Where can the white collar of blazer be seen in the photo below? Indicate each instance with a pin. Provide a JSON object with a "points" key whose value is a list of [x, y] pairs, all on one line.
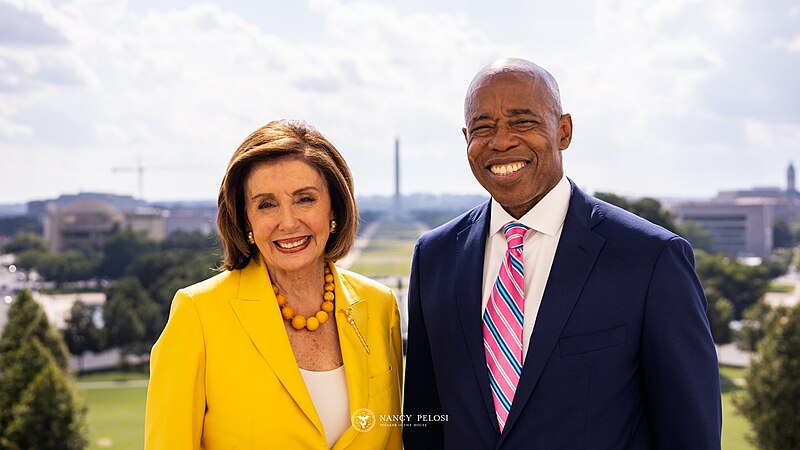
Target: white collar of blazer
{"points": [[257, 310]]}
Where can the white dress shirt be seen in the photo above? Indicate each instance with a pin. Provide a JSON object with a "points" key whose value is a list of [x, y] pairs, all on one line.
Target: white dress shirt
{"points": [[546, 220]]}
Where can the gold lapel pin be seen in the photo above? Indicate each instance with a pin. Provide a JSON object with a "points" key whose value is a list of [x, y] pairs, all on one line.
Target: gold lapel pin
{"points": [[348, 313]]}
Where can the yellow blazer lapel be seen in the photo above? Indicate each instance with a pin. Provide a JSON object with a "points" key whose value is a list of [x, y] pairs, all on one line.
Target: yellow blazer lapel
{"points": [[354, 351], [257, 310]]}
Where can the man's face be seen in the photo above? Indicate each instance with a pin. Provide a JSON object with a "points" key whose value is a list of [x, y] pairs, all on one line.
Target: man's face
{"points": [[514, 139]]}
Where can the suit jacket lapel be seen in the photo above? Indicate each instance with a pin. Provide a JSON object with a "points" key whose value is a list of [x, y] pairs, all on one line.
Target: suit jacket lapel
{"points": [[577, 251], [354, 352], [257, 310], [468, 262]]}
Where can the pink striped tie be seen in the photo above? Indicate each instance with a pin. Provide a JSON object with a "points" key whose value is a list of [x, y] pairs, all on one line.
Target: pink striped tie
{"points": [[502, 324]]}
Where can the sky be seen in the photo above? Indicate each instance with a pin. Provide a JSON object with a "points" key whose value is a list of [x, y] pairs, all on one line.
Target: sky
{"points": [[677, 98]]}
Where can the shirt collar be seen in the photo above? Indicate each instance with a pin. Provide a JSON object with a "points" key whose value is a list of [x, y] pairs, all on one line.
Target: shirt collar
{"points": [[546, 217]]}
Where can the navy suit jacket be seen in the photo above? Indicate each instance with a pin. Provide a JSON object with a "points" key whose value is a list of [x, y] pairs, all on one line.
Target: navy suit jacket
{"points": [[621, 355]]}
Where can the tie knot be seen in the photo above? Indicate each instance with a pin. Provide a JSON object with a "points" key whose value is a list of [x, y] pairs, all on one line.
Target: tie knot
{"points": [[514, 232]]}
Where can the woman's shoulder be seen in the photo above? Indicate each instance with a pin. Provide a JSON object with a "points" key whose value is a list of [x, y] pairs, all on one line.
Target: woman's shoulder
{"points": [[214, 285]]}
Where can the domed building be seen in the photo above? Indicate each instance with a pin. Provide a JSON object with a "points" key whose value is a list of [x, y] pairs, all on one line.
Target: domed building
{"points": [[88, 223]]}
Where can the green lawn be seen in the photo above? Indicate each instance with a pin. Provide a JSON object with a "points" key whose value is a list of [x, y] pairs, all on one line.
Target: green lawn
{"points": [[405, 231], [375, 269], [734, 426], [389, 251], [390, 247], [116, 414], [112, 376], [781, 288]]}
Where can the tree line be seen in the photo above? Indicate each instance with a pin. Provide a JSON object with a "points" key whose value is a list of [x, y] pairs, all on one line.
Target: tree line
{"points": [[141, 276], [734, 290], [39, 406]]}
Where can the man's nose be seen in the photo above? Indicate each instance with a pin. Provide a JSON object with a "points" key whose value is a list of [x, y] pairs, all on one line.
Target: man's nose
{"points": [[503, 139]]}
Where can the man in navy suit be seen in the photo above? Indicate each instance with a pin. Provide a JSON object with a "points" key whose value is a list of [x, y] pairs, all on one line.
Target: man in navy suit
{"points": [[616, 347]]}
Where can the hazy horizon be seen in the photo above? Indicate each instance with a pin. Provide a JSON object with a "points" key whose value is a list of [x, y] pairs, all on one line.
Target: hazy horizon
{"points": [[387, 198]]}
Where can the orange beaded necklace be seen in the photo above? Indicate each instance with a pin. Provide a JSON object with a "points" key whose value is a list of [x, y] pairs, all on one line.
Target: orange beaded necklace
{"points": [[312, 323]]}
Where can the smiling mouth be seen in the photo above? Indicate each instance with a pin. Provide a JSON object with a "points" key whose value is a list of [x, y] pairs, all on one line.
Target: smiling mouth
{"points": [[288, 244], [506, 169]]}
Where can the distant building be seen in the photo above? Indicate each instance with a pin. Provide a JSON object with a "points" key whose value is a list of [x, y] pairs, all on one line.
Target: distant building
{"points": [[87, 223], [57, 306], [151, 222], [40, 208], [189, 219], [741, 221], [739, 230]]}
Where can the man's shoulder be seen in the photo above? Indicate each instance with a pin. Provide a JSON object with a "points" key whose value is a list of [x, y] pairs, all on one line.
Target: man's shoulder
{"points": [[616, 221]]}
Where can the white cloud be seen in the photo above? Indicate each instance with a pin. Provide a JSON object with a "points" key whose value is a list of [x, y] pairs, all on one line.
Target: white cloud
{"points": [[791, 45], [763, 135], [10, 130], [189, 84], [675, 85]]}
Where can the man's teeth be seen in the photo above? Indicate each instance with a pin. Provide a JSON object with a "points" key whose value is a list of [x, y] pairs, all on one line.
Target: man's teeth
{"points": [[288, 245], [507, 169]]}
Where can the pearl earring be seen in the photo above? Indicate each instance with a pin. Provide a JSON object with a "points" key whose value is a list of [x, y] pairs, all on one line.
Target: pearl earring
{"points": [[333, 226], [250, 238]]}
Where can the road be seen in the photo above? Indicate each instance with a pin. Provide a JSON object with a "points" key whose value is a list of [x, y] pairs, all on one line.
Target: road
{"points": [[787, 299]]}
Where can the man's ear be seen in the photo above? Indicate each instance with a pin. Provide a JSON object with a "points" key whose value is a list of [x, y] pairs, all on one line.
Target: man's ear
{"points": [[565, 131], [466, 139]]}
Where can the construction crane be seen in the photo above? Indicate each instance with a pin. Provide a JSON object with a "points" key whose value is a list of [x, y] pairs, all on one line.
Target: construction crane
{"points": [[139, 169]]}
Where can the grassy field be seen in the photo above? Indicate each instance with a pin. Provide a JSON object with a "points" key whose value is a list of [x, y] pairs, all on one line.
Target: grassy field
{"points": [[112, 376], [389, 251], [734, 426], [781, 288], [116, 409]]}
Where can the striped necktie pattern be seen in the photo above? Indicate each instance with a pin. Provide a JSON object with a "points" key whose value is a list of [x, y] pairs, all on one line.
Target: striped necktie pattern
{"points": [[502, 324]]}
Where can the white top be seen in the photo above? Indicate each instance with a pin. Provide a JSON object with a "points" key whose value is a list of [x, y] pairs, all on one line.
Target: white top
{"points": [[328, 391], [546, 218]]}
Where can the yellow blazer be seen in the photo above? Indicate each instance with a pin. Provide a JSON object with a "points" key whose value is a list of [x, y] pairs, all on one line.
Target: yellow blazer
{"points": [[223, 375]]}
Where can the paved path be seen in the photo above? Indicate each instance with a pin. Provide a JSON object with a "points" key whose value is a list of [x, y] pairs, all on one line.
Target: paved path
{"points": [[111, 384], [730, 355], [361, 243], [787, 299]]}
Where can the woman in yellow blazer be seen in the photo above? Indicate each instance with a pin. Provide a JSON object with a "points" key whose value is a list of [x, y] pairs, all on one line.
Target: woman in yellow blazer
{"points": [[283, 349]]}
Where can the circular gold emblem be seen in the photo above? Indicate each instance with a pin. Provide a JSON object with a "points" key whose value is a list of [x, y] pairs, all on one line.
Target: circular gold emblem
{"points": [[363, 420]]}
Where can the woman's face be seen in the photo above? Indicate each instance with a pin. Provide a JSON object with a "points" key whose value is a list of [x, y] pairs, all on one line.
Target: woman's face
{"points": [[288, 208]]}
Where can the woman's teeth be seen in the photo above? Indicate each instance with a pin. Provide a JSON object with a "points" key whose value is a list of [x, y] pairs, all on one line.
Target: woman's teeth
{"points": [[292, 244]]}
